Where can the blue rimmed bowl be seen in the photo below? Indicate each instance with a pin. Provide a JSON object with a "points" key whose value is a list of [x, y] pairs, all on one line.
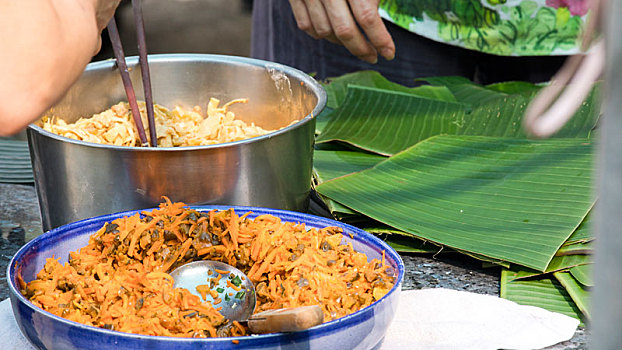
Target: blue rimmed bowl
{"points": [[363, 329]]}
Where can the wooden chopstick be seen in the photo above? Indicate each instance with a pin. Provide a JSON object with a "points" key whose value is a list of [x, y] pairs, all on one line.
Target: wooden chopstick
{"points": [[144, 68], [115, 40], [117, 47]]}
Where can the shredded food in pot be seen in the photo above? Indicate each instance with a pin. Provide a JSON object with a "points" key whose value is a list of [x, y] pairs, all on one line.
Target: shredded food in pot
{"points": [[120, 280], [175, 128]]}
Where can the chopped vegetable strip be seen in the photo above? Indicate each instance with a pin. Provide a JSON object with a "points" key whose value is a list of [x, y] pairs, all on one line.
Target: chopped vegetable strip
{"points": [[120, 280]]}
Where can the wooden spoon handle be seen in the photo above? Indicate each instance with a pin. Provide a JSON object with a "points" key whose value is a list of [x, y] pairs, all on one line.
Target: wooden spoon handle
{"points": [[286, 320]]}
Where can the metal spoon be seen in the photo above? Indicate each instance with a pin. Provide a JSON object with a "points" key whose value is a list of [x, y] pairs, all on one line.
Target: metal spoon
{"points": [[237, 299]]}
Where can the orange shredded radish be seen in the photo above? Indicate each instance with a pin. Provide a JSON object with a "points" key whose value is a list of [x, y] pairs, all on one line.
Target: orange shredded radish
{"points": [[231, 285], [203, 289], [121, 280]]}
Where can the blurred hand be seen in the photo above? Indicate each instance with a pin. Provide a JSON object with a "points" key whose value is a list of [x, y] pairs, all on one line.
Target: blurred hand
{"points": [[339, 20], [104, 10], [45, 45]]}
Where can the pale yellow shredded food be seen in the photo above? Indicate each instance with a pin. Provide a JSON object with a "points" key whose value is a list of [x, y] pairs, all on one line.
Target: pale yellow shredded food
{"points": [[175, 128]]}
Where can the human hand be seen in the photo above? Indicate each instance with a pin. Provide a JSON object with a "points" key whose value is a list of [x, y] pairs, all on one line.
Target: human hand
{"points": [[104, 10], [339, 20]]}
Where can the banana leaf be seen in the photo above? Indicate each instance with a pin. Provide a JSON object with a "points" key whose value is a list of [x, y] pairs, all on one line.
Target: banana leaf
{"points": [[506, 199], [472, 94], [504, 116], [583, 233], [574, 249], [403, 242], [455, 83], [336, 88], [565, 262], [386, 122], [546, 293], [486, 261], [406, 243], [338, 210], [514, 87], [445, 80], [577, 292], [332, 164], [322, 119], [335, 162], [478, 95], [580, 240], [583, 274], [558, 263]]}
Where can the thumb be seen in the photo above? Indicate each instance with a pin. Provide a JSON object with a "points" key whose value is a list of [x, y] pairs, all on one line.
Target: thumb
{"points": [[98, 46]]}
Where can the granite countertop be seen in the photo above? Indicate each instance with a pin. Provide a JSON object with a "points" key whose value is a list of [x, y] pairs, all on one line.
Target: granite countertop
{"points": [[20, 222]]}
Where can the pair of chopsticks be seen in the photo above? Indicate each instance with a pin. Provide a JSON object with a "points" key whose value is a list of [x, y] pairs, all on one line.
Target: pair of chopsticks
{"points": [[117, 47]]}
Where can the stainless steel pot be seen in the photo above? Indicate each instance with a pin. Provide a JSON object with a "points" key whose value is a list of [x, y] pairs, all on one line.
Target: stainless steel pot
{"points": [[77, 180]]}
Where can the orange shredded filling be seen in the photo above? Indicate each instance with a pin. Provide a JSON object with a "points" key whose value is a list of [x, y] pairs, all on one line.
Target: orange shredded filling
{"points": [[120, 280]]}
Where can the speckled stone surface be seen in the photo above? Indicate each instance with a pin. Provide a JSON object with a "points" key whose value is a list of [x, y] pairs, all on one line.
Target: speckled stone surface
{"points": [[19, 210]]}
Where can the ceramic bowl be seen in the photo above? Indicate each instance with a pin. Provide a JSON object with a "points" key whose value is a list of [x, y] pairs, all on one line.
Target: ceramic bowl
{"points": [[363, 329]]}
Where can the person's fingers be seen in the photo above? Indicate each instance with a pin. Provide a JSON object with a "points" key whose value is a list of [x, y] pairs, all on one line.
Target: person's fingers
{"points": [[333, 39], [347, 32], [98, 47], [366, 15], [301, 14], [303, 20], [104, 10], [319, 18]]}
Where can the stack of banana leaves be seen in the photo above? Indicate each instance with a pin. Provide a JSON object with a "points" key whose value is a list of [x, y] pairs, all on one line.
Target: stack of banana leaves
{"points": [[448, 166]]}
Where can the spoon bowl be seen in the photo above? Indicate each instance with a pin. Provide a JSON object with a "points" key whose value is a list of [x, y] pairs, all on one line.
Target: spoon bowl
{"points": [[233, 294], [223, 285]]}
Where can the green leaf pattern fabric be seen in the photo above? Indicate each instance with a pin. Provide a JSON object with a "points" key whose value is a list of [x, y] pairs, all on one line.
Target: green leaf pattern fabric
{"points": [[500, 27]]}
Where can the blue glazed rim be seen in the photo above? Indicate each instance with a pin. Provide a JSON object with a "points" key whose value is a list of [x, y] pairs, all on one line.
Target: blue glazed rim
{"points": [[350, 233]]}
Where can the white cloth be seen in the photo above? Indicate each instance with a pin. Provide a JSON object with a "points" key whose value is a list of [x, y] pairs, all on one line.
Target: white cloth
{"points": [[432, 319], [437, 319], [10, 330]]}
